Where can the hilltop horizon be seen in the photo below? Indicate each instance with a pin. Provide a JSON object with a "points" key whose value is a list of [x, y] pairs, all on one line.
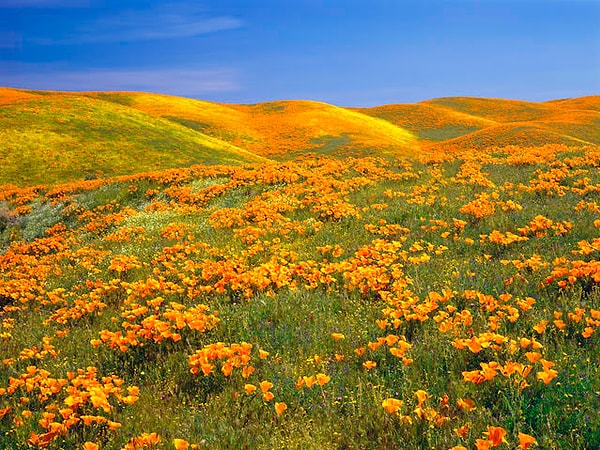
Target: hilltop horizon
{"points": [[56, 136], [424, 99]]}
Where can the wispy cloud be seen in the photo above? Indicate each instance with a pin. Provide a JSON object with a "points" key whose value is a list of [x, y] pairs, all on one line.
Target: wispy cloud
{"points": [[184, 82], [138, 27], [161, 21]]}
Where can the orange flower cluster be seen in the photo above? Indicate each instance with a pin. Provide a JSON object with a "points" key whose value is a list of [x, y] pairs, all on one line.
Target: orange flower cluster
{"points": [[156, 322], [521, 155], [103, 217], [397, 346], [590, 206], [320, 379], [126, 234], [63, 404], [47, 349], [540, 226], [568, 272], [470, 173], [586, 318], [144, 440], [455, 228], [436, 417], [489, 371], [187, 195], [497, 237], [387, 230], [404, 305], [485, 205], [124, 263], [587, 248], [83, 305], [230, 357], [549, 182], [420, 195], [495, 436], [535, 263]]}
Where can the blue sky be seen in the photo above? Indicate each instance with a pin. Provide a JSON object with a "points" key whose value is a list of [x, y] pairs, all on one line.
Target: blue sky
{"points": [[345, 52]]}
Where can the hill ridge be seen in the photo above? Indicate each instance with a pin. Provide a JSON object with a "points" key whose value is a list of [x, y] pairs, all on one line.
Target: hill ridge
{"points": [[54, 136]]}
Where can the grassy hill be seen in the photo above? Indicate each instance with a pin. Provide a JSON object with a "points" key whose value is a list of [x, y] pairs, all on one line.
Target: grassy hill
{"points": [[49, 137], [459, 123], [429, 121], [279, 130]]}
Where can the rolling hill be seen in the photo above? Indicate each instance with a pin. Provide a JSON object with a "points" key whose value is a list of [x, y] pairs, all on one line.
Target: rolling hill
{"points": [[278, 130], [48, 137], [460, 123], [52, 137]]}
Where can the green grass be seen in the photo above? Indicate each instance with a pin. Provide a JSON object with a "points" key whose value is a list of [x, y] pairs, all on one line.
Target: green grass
{"points": [[447, 132]]}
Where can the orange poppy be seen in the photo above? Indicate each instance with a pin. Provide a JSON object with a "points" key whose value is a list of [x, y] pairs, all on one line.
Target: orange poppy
{"points": [[180, 444], [322, 379], [280, 407], [391, 405], [525, 440]]}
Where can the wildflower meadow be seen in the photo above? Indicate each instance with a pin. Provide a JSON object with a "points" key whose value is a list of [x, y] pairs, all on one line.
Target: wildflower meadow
{"points": [[435, 300]]}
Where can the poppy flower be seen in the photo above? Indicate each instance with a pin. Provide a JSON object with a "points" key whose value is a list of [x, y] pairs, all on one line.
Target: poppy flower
{"points": [[391, 405], [495, 435], [180, 444], [309, 381], [369, 365], [322, 379], [280, 407], [525, 440], [265, 386]]}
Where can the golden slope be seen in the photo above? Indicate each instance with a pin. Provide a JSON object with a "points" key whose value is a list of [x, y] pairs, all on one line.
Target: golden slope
{"points": [[214, 119], [10, 96], [468, 122], [591, 102], [290, 128], [524, 134], [498, 110], [51, 137], [429, 121], [573, 121], [279, 130]]}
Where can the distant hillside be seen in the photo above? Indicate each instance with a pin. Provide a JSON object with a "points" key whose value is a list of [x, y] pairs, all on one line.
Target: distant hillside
{"points": [[50, 137], [468, 122], [279, 130], [429, 121]]}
